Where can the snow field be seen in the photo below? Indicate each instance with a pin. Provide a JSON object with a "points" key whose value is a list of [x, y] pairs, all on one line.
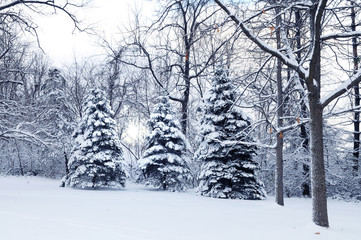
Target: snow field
{"points": [[36, 208]]}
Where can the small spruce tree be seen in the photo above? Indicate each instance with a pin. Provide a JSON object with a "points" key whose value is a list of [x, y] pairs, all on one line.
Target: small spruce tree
{"points": [[227, 170], [96, 159], [165, 163]]}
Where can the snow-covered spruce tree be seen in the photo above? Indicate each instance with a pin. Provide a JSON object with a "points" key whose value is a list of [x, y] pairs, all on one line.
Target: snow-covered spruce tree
{"points": [[96, 159], [165, 162], [228, 170]]}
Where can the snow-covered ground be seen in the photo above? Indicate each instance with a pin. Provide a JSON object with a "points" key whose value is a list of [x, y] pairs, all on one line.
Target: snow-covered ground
{"points": [[35, 208]]}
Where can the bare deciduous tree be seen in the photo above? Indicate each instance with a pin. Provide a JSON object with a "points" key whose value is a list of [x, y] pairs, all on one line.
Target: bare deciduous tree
{"points": [[312, 76]]}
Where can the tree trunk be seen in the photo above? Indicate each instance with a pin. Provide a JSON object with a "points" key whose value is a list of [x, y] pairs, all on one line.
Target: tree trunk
{"points": [[279, 146], [356, 121], [318, 179], [303, 132], [19, 158], [313, 82], [279, 170], [187, 86], [66, 163]]}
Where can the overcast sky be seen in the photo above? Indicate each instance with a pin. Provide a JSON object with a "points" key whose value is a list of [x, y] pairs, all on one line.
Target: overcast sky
{"points": [[106, 16]]}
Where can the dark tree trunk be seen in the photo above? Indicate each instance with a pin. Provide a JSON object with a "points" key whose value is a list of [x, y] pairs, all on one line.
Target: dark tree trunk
{"points": [[318, 179], [313, 82], [66, 163], [279, 146], [164, 185], [303, 132], [19, 158], [187, 85], [279, 170], [356, 121], [188, 33]]}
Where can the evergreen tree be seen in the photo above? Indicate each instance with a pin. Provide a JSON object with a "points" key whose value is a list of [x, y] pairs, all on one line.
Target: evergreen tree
{"points": [[165, 163], [96, 159], [228, 170], [57, 121]]}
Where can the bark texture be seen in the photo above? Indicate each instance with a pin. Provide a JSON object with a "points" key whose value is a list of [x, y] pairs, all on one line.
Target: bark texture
{"points": [[318, 179], [279, 147]]}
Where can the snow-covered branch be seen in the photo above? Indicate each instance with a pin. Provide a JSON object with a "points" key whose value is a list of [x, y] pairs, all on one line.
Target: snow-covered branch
{"points": [[263, 45], [344, 87], [341, 35], [23, 135], [293, 126], [333, 114]]}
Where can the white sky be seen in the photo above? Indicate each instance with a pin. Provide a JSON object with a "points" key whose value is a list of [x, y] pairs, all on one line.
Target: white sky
{"points": [[106, 16]]}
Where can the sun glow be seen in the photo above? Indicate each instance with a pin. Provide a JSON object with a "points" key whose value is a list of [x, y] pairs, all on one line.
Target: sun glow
{"points": [[134, 132]]}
